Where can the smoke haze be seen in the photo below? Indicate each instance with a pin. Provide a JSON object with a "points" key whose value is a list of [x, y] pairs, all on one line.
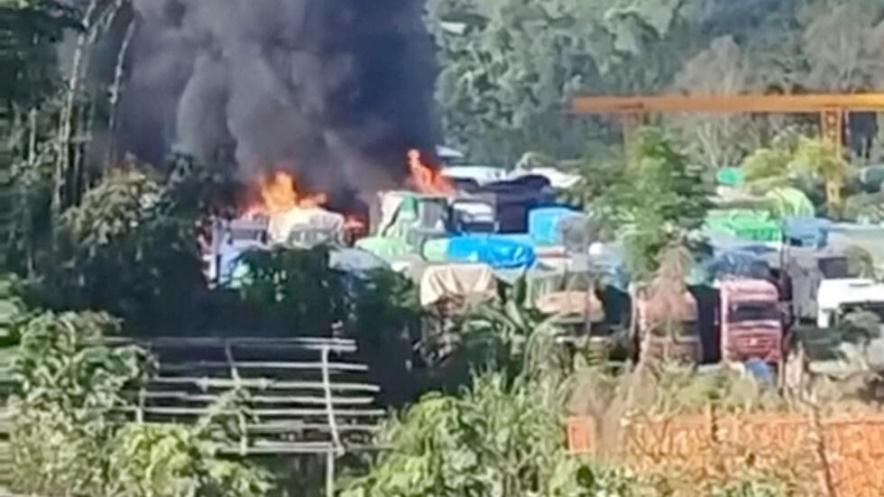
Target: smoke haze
{"points": [[337, 90]]}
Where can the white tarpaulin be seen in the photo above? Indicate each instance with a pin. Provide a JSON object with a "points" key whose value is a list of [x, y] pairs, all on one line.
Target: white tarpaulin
{"points": [[456, 280], [557, 179], [283, 225]]}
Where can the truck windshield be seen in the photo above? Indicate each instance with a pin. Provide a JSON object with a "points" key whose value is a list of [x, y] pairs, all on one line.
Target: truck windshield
{"points": [[754, 311]]}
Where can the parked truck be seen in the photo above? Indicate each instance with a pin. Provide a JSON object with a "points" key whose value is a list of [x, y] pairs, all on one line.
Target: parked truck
{"points": [[751, 321], [666, 330], [837, 297]]}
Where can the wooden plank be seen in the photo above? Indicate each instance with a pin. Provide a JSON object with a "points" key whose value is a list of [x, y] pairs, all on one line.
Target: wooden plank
{"points": [[785, 104], [262, 384], [201, 411], [334, 366], [271, 449], [310, 343], [257, 399], [280, 427], [329, 408]]}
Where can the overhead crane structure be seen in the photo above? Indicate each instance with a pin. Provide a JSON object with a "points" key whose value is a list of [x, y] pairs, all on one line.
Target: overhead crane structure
{"points": [[831, 108]]}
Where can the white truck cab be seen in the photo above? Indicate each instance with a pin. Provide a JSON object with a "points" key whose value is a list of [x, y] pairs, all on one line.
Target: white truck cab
{"points": [[837, 295]]}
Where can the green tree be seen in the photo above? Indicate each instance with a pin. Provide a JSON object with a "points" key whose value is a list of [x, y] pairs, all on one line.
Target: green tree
{"points": [[508, 67], [511, 336], [841, 45], [722, 69], [69, 389], [72, 434], [661, 199], [169, 460], [294, 288], [126, 250], [497, 439], [801, 162], [29, 31]]}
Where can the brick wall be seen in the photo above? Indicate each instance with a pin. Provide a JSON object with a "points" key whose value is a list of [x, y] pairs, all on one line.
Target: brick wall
{"points": [[841, 456]]}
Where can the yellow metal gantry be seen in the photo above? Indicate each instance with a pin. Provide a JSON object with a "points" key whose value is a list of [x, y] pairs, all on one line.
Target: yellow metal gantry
{"points": [[831, 109]]}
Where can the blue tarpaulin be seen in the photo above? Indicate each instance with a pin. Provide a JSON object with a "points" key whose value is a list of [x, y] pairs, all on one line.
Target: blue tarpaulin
{"points": [[543, 223], [807, 231], [497, 252]]}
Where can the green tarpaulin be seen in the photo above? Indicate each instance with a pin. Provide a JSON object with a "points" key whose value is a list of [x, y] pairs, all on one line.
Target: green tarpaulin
{"points": [[730, 176], [745, 224], [435, 250]]}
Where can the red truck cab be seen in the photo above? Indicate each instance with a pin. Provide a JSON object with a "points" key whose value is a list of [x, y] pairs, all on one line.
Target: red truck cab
{"points": [[751, 321]]}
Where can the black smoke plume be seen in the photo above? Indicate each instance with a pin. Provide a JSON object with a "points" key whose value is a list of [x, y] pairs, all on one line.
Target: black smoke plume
{"points": [[337, 90]]}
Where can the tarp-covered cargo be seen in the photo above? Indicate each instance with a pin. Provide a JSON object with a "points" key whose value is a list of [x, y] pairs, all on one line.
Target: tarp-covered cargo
{"points": [[404, 213], [730, 176], [306, 226], [456, 280], [806, 231], [512, 200], [545, 223], [497, 252], [745, 224], [435, 250]]}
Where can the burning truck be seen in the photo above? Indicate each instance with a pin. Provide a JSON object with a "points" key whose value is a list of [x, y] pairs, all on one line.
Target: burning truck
{"points": [[282, 214], [431, 206]]}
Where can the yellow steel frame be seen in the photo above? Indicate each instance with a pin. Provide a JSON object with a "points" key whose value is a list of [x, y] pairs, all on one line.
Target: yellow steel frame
{"points": [[830, 107]]}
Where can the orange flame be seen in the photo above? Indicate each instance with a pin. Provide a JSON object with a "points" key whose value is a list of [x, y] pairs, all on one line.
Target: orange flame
{"points": [[426, 178], [280, 194]]}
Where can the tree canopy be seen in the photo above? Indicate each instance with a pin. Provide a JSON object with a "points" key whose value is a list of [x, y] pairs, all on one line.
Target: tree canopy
{"points": [[509, 66]]}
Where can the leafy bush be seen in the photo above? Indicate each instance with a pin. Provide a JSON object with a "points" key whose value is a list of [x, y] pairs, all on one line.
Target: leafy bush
{"points": [[384, 319], [510, 335], [13, 311], [295, 287], [800, 162], [123, 250], [175, 461], [71, 390], [500, 438], [658, 199], [72, 435]]}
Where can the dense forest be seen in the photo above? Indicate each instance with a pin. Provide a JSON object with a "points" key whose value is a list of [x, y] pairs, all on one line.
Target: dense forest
{"points": [[508, 66]]}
